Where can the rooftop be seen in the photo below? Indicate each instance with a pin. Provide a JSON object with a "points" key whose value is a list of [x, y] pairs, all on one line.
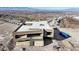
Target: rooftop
{"points": [[34, 25]]}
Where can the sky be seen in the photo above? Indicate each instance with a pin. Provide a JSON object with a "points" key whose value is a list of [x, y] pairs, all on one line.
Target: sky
{"points": [[39, 3]]}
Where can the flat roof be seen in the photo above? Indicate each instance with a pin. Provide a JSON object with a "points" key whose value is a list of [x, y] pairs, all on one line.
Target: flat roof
{"points": [[34, 25]]}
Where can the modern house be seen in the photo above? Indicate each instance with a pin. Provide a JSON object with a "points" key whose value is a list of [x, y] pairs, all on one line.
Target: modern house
{"points": [[35, 32]]}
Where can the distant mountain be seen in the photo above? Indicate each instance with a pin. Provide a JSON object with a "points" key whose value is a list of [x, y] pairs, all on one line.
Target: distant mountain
{"points": [[60, 9], [17, 8], [42, 9], [75, 9]]}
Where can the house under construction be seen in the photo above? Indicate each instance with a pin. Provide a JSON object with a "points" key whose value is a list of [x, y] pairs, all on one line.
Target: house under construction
{"points": [[34, 32]]}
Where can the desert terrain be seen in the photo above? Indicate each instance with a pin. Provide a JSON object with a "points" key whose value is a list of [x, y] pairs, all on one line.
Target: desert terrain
{"points": [[10, 20]]}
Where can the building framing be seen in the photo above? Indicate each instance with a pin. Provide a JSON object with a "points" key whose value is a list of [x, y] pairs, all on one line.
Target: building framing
{"points": [[33, 32]]}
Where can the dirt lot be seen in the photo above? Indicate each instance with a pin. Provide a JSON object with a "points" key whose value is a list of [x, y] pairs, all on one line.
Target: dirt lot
{"points": [[74, 39], [6, 30], [69, 44]]}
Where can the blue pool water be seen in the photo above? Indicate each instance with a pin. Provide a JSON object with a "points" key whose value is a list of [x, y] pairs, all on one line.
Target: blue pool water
{"points": [[65, 35]]}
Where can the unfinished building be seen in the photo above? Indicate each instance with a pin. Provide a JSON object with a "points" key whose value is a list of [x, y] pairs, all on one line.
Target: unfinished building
{"points": [[34, 32]]}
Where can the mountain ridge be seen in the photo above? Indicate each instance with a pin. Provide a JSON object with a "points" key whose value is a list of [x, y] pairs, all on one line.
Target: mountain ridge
{"points": [[42, 9]]}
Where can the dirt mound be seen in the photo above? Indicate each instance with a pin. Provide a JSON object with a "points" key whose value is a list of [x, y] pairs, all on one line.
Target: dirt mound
{"points": [[69, 22]]}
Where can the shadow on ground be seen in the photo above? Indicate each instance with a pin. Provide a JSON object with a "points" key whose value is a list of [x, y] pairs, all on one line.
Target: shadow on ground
{"points": [[47, 41]]}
